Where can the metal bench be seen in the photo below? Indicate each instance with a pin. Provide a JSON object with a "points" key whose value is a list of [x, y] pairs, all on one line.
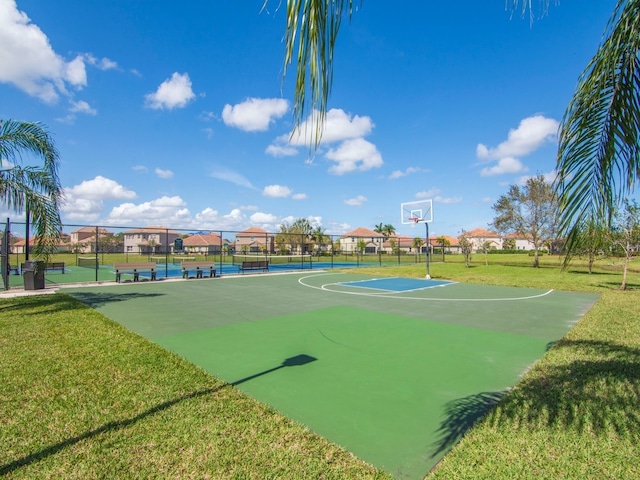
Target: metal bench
{"points": [[134, 268], [199, 267], [254, 265]]}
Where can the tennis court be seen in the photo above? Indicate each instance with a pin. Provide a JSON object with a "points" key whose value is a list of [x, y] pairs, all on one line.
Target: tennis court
{"points": [[372, 364]]}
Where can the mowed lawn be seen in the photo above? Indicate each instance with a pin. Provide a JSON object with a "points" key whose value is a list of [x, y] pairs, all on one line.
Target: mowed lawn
{"points": [[82, 397]]}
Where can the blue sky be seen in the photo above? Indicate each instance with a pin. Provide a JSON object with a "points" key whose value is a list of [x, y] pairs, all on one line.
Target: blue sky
{"points": [[176, 114]]}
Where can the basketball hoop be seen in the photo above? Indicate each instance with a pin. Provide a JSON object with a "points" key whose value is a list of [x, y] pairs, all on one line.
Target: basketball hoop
{"points": [[414, 221]]}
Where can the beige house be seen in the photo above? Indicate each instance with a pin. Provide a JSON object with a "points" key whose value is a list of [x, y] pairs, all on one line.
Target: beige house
{"points": [[254, 240], [480, 236], [373, 241], [20, 245], [149, 240], [83, 240], [522, 242], [199, 244]]}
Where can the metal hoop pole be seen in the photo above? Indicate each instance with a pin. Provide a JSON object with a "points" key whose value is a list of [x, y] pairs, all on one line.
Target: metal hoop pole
{"points": [[426, 225]]}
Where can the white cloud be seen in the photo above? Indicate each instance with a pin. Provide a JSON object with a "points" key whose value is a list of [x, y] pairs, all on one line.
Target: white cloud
{"points": [[447, 200], [260, 218], [82, 107], [356, 202], [338, 126], [28, 61], [85, 201], [354, 155], [281, 150], [232, 177], [254, 114], [165, 210], [530, 135], [100, 188], [165, 174], [139, 168], [174, 92], [549, 177], [505, 165], [299, 196], [102, 64], [428, 193], [276, 191], [408, 171]]}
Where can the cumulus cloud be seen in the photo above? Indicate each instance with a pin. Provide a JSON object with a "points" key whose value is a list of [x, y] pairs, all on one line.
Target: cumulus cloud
{"points": [[276, 191], [28, 61], [281, 150], [175, 92], [82, 107], [85, 201], [164, 210], [230, 176], [447, 200], [408, 171], [428, 193], [338, 126], [356, 202], [504, 165], [254, 114], [165, 174], [532, 133], [354, 155]]}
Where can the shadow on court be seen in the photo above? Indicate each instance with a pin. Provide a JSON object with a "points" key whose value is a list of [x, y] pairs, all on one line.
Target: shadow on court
{"points": [[298, 360], [99, 299]]}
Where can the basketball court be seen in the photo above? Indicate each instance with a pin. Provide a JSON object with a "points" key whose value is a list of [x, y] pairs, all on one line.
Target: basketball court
{"points": [[372, 364]]}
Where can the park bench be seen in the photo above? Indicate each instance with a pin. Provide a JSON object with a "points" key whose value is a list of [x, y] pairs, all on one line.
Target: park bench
{"points": [[47, 266], [199, 267], [134, 268], [254, 265]]}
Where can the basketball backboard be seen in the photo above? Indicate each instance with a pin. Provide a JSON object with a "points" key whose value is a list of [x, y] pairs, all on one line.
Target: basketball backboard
{"points": [[420, 211]]}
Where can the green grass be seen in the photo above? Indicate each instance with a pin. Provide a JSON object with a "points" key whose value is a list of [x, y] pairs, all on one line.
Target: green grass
{"points": [[82, 397]]}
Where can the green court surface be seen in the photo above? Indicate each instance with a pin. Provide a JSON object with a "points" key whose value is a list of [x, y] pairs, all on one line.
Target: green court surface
{"points": [[394, 375]]}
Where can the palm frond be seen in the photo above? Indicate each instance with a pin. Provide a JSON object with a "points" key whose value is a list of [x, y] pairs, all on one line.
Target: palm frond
{"points": [[598, 152], [310, 39]]}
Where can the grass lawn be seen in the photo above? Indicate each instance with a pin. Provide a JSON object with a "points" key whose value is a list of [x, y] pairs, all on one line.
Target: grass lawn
{"points": [[82, 397]]}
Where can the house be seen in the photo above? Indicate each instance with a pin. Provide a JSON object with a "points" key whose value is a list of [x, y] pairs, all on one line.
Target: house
{"points": [[481, 237], [149, 240], [83, 240], [254, 240], [19, 246], [519, 242], [451, 244], [351, 241], [202, 244], [402, 244]]}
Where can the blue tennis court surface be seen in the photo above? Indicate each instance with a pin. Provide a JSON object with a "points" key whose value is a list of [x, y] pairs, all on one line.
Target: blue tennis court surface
{"points": [[398, 284]]}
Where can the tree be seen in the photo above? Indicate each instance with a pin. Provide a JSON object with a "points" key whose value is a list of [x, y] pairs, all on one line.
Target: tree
{"points": [[379, 228], [530, 211], [599, 143], [509, 244], [417, 244], [388, 230], [466, 247], [626, 233], [33, 189], [592, 240], [485, 248], [319, 238]]}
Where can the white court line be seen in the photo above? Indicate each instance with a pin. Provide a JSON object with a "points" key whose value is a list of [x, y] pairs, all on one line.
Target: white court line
{"points": [[326, 287]]}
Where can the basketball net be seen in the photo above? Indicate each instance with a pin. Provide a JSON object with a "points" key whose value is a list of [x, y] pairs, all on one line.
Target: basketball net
{"points": [[414, 221]]}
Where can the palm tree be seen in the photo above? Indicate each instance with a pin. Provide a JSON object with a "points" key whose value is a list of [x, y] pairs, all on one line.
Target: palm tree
{"points": [[379, 228], [599, 147], [388, 230], [33, 189]]}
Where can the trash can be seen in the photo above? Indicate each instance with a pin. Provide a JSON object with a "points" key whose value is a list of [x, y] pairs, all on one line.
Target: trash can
{"points": [[33, 275]]}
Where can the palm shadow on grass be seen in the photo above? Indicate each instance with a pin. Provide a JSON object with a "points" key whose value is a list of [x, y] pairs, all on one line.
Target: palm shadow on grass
{"points": [[598, 395], [296, 361]]}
